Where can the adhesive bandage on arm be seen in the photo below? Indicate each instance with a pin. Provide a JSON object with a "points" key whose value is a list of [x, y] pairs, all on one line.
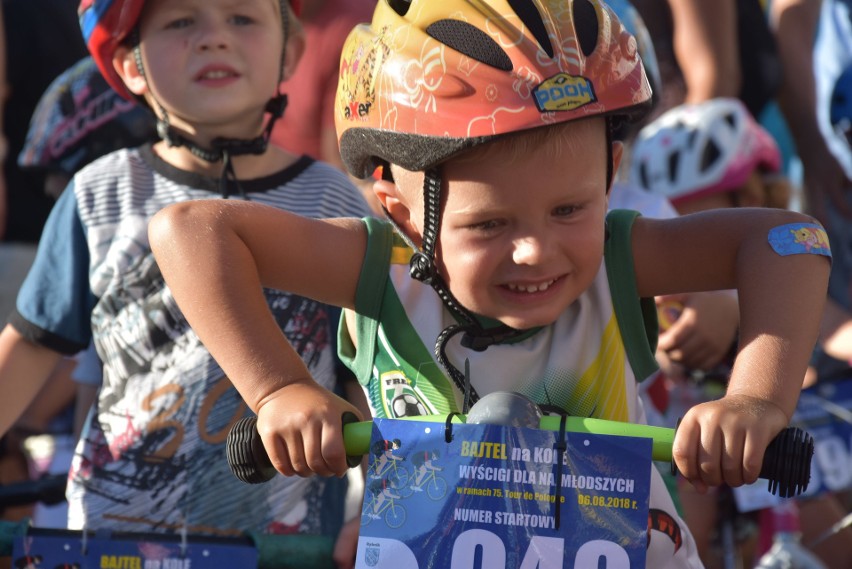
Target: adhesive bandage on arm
{"points": [[798, 239]]}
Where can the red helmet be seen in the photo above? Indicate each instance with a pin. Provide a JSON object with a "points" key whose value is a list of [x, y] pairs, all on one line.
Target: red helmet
{"points": [[428, 79], [106, 23]]}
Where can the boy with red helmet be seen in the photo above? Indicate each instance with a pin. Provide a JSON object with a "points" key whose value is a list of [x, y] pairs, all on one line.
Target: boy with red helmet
{"points": [[492, 121], [151, 456]]}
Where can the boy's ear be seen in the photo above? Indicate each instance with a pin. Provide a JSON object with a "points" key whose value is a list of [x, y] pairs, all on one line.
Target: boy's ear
{"points": [[124, 63], [617, 155], [294, 51], [389, 197]]}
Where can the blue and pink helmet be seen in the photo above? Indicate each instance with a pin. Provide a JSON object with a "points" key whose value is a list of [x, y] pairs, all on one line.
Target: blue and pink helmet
{"points": [[80, 118]]}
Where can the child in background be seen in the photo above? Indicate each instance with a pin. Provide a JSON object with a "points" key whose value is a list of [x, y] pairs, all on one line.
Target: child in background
{"points": [[704, 156], [703, 337], [78, 119], [709, 155], [701, 157], [151, 457], [498, 158], [835, 357], [706, 331]]}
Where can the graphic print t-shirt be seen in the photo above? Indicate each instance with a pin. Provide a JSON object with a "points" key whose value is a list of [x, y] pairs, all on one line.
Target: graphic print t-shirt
{"points": [[152, 457]]}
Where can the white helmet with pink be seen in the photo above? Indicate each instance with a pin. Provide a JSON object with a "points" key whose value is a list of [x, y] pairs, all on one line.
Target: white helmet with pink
{"points": [[698, 149]]}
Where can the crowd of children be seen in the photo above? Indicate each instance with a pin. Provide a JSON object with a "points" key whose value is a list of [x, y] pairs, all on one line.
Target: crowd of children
{"points": [[508, 260]]}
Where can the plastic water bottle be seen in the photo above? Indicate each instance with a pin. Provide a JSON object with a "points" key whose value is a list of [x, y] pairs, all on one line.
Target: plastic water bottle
{"points": [[787, 551]]}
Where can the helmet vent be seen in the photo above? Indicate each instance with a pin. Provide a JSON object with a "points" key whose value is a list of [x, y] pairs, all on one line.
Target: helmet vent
{"points": [[643, 175], [709, 156], [586, 26], [690, 141], [731, 119], [400, 6], [531, 18], [471, 41], [674, 161]]}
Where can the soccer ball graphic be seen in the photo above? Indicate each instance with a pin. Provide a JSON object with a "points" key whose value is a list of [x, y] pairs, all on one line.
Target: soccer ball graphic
{"points": [[407, 405]]}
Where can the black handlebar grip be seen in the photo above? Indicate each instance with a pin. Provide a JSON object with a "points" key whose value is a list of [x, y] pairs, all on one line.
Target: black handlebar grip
{"points": [[787, 462], [246, 456], [48, 490]]}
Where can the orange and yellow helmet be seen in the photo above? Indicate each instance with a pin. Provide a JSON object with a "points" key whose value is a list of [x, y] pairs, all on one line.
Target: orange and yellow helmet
{"points": [[426, 79]]}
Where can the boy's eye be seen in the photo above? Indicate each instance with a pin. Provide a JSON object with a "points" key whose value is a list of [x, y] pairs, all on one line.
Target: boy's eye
{"points": [[242, 20], [487, 225], [178, 23], [564, 210]]}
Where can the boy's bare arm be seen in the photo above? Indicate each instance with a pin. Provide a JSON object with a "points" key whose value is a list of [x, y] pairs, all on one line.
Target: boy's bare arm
{"points": [[24, 369], [781, 300], [781, 296], [215, 257]]}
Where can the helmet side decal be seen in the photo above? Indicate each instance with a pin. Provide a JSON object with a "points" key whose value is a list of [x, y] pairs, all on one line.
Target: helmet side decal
{"points": [[564, 92], [355, 87]]}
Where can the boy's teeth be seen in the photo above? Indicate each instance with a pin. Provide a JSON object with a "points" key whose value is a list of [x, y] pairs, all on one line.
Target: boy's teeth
{"points": [[216, 74], [531, 288]]}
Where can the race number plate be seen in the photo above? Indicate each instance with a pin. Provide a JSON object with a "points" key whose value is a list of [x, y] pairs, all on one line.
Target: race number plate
{"points": [[488, 499]]}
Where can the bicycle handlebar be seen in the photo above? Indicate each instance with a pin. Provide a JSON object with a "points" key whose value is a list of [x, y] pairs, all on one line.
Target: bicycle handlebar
{"points": [[786, 462], [48, 490]]}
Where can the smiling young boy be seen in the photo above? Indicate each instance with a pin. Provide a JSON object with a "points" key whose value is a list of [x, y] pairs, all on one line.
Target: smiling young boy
{"points": [[493, 123], [152, 454]]}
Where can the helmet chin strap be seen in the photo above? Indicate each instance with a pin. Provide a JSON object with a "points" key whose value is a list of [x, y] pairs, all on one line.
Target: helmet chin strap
{"points": [[422, 268], [224, 149]]}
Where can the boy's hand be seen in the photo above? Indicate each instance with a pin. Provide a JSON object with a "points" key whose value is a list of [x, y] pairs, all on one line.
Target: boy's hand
{"points": [[703, 332], [723, 441], [301, 426]]}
